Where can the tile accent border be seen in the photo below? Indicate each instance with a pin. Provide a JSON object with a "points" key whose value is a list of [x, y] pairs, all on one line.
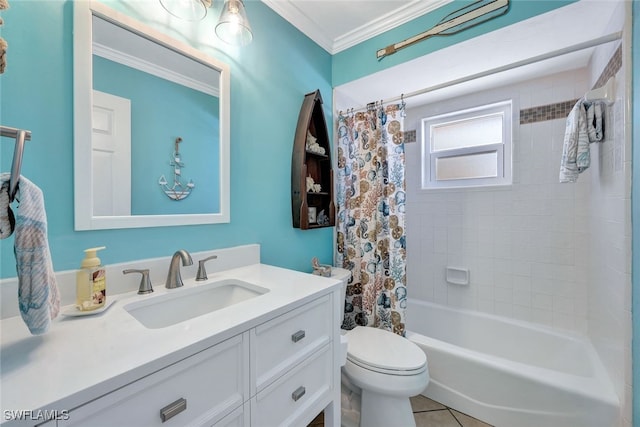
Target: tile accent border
{"points": [[561, 110], [409, 136], [612, 68], [558, 110]]}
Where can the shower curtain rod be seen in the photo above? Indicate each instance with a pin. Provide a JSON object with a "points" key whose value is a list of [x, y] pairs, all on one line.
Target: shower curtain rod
{"points": [[559, 52]]}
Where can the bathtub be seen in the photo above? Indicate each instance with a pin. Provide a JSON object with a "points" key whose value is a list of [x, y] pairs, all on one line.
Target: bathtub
{"points": [[511, 373]]}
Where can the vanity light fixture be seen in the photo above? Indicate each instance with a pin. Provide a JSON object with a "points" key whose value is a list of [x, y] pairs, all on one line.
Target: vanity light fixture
{"points": [[189, 10], [233, 26]]}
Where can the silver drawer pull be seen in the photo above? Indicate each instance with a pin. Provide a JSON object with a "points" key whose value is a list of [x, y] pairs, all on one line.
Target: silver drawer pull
{"points": [[173, 409], [300, 391], [297, 336]]}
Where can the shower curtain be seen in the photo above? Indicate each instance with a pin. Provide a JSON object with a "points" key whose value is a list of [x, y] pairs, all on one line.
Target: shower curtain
{"points": [[371, 207]]}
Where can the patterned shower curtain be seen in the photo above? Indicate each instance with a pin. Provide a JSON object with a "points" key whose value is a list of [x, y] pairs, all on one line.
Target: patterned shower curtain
{"points": [[371, 208]]}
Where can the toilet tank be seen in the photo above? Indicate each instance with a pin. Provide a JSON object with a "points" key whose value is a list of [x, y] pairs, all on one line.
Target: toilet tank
{"points": [[343, 275]]}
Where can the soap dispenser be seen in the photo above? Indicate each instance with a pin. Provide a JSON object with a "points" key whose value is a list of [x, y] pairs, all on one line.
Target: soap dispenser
{"points": [[91, 282]]}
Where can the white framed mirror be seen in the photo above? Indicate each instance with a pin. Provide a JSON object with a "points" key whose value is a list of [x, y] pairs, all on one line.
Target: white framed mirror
{"points": [[148, 110]]}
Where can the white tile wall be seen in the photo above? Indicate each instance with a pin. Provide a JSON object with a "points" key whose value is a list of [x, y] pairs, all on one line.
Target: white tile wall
{"points": [[609, 304], [609, 310], [524, 244]]}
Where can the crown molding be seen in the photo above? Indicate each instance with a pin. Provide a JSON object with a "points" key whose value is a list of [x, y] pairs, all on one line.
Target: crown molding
{"points": [[287, 10], [153, 69], [386, 22]]}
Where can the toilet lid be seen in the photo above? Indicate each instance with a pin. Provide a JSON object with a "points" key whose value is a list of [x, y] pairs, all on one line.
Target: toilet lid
{"points": [[384, 350]]}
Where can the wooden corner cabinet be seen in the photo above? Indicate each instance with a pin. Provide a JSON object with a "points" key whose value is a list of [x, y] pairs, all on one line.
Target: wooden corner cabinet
{"points": [[311, 168]]}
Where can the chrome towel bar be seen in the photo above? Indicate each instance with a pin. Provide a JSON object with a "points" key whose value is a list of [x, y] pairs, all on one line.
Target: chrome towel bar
{"points": [[20, 135]]}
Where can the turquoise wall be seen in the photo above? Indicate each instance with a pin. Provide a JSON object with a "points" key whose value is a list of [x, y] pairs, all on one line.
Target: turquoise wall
{"points": [[161, 111], [360, 60], [269, 78]]}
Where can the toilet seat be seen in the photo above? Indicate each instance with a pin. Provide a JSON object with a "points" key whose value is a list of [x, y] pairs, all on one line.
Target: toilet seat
{"points": [[384, 352]]}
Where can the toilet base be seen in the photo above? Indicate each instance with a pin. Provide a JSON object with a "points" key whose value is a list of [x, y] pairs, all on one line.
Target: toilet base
{"points": [[378, 410], [371, 409]]}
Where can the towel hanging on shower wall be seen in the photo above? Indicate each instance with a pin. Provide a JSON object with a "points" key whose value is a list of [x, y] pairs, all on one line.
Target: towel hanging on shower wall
{"points": [[585, 124]]}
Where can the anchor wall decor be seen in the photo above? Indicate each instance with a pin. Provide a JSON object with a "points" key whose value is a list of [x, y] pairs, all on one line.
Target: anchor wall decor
{"points": [[178, 190]]}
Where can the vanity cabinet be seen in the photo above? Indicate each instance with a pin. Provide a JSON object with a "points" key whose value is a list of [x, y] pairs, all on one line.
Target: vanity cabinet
{"points": [[284, 342], [290, 399], [200, 390], [238, 418], [312, 203], [291, 360], [278, 373]]}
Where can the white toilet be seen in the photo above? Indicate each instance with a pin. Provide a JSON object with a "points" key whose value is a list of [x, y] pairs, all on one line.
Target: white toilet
{"points": [[382, 370]]}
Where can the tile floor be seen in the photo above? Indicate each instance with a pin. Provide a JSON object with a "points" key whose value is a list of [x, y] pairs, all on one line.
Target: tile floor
{"points": [[429, 413]]}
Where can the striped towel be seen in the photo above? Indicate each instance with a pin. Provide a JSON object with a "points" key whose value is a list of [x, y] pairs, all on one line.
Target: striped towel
{"points": [[38, 295], [585, 124], [7, 220]]}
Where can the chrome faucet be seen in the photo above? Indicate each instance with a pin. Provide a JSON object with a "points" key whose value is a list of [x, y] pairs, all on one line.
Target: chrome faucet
{"points": [[202, 272], [145, 284], [174, 280]]}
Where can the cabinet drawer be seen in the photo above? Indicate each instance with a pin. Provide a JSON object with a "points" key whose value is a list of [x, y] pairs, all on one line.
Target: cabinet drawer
{"points": [[212, 384], [287, 402], [285, 341], [238, 418]]}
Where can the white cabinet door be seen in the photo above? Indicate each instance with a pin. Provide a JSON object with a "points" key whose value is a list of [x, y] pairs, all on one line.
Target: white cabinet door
{"points": [[197, 391]]}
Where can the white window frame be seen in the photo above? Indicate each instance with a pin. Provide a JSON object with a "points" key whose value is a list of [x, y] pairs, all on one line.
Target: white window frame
{"points": [[503, 149]]}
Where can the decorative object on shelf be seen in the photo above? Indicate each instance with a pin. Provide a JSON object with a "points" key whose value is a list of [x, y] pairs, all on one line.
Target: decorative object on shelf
{"points": [[313, 146], [312, 215], [178, 190], [312, 187], [323, 219], [311, 168], [233, 26]]}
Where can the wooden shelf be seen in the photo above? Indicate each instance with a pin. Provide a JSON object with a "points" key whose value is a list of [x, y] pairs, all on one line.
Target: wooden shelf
{"points": [[306, 163], [320, 156]]}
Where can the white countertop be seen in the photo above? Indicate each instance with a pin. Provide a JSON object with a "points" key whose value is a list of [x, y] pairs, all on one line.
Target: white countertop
{"points": [[82, 358]]}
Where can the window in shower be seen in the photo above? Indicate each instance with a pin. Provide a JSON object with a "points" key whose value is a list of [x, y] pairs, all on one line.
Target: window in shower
{"points": [[467, 148]]}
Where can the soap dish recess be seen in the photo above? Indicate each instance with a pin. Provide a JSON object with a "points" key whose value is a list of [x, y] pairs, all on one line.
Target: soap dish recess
{"points": [[457, 276]]}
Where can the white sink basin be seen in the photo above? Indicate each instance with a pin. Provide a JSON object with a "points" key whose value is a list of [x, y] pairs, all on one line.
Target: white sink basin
{"points": [[187, 303]]}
